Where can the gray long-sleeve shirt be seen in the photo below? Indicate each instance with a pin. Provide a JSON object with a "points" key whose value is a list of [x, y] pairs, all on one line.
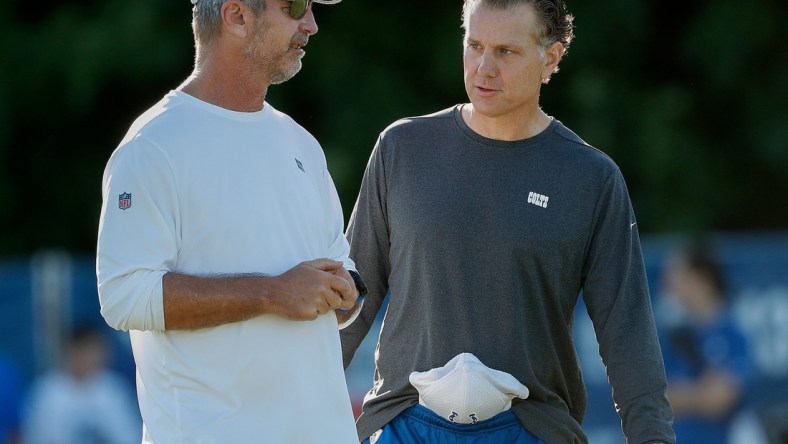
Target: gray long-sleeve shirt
{"points": [[485, 246]]}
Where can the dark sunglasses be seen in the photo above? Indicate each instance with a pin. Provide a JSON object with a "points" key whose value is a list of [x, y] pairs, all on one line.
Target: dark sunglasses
{"points": [[298, 8]]}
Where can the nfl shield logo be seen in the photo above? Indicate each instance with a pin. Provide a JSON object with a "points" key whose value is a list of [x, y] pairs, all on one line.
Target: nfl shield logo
{"points": [[124, 201]]}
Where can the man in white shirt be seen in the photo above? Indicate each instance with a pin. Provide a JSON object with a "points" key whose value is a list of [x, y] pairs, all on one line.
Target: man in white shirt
{"points": [[221, 246]]}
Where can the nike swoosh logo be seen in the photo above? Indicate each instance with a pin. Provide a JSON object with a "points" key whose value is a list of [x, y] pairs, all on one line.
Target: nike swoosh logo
{"points": [[632, 225]]}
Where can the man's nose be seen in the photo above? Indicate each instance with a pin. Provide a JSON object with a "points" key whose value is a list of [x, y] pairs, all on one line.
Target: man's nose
{"points": [[308, 23]]}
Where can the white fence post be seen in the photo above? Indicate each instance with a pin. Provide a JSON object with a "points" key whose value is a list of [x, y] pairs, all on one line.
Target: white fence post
{"points": [[51, 285]]}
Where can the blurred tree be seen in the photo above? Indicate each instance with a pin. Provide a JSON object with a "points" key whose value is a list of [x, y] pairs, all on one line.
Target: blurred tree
{"points": [[689, 99], [75, 75]]}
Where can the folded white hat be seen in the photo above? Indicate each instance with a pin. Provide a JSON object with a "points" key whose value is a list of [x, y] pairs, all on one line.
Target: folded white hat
{"points": [[465, 391]]}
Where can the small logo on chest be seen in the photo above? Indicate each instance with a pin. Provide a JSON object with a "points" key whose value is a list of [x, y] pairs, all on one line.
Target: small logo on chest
{"points": [[300, 165], [537, 199]]}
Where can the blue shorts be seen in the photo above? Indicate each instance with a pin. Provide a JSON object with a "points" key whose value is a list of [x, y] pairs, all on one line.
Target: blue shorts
{"points": [[419, 424]]}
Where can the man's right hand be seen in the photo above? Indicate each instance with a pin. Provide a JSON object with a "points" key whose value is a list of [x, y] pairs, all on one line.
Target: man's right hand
{"points": [[310, 289]]}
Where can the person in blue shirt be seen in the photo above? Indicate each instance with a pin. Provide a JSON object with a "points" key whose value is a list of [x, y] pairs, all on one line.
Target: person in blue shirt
{"points": [[704, 350], [10, 401]]}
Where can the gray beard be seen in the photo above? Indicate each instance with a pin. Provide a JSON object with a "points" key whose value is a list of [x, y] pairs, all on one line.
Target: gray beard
{"points": [[285, 75]]}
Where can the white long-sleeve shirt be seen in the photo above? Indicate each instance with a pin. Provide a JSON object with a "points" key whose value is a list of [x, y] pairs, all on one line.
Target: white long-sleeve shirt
{"points": [[198, 189]]}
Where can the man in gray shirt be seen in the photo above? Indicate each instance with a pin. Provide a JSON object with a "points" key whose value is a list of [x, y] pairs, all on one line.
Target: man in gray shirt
{"points": [[484, 221]]}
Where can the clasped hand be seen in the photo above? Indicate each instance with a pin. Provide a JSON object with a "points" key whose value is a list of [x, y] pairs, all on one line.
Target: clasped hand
{"points": [[315, 287]]}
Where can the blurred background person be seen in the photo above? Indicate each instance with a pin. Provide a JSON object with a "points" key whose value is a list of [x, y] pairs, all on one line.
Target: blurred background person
{"points": [[705, 353], [84, 402], [10, 401]]}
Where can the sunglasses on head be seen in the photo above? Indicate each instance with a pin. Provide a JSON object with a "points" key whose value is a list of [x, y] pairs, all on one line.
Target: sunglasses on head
{"points": [[298, 8]]}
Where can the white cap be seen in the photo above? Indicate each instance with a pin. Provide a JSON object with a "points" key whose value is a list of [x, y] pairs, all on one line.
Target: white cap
{"points": [[465, 391]]}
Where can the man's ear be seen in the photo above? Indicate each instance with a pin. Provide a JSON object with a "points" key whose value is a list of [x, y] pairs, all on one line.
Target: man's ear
{"points": [[553, 55], [235, 21]]}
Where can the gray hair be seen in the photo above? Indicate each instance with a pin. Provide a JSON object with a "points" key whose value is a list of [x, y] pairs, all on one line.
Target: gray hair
{"points": [[207, 21], [555, 23]]}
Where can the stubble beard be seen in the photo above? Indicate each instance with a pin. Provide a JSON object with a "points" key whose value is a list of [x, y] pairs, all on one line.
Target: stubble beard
{"points": [[276, 68], [289, 68], [287, 72]]}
